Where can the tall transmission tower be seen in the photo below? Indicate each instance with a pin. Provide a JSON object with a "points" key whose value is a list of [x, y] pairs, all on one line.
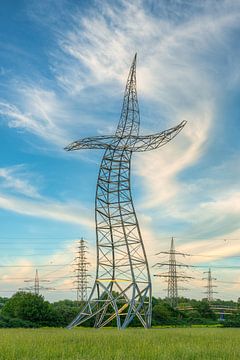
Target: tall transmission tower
{"points": [[209, 287], [173, 275], [36, 287], [122, 289], [81, 269], [36, 283]]}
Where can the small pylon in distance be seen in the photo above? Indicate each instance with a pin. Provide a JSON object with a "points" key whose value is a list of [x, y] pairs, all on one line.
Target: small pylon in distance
{"points": [[173, 275], [209, 287], [81, 270], [36, 287]]}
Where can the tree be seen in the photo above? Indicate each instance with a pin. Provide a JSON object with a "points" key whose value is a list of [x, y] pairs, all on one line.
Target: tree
{"points": [[164, 314], [205, 310], [65, 311], [3, 300], [30, 307]]}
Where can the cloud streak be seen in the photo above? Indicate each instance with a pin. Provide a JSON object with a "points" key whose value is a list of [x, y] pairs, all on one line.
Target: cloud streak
{"points": [[47, 209], [178, 74], [15, 178]]}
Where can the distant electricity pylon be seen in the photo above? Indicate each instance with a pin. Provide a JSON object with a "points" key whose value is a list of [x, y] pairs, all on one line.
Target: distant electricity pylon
{"points": [[35, 288], [209, 287], [81, 269], [173, 276]]}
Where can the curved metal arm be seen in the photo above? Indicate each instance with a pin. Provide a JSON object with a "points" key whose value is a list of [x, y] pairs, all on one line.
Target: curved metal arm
{"points": [[151, 142], [130, 143], [95, 142]]}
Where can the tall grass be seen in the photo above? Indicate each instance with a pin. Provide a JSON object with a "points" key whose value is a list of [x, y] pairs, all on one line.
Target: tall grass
{"points": [[111, 344]]}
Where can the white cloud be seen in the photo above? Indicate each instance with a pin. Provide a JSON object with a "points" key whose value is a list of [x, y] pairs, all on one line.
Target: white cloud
{"points": [[40, 113], [48, 209], [57, 269], [178, 73], [16, 178]]}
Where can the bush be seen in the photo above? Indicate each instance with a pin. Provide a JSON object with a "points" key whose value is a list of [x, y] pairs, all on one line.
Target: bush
{"points": [[30, 308], [6, 322]]}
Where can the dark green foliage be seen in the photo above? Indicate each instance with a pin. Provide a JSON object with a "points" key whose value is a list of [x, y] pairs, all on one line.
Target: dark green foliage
{"points": [[29, 307], [164, 314], [3, 301], [65, 311], [29, 310], [232, 321], [7, 322], [205, 311]]}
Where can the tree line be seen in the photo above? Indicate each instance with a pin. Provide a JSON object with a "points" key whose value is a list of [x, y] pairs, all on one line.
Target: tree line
{"points": [[25, 309]]}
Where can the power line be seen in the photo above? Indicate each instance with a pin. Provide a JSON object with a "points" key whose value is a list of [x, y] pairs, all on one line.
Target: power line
{"points": [[58, 269], [215, 255], [217, 266], [23, 278], [44, 237], [32, 266], [43, 254], [50, 290]]}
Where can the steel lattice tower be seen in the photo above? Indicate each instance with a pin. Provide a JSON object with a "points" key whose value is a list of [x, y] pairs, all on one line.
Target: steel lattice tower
{"points": [[173, 275], [36, 283], [35, 288], [122, 289], [81, 270], [209, 287], [172, 279]]}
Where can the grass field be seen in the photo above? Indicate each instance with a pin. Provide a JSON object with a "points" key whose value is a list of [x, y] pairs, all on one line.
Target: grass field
{"points": [[111, 344]]}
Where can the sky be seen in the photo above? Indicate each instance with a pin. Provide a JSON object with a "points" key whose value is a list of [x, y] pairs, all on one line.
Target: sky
{"points": [[63, 68]]}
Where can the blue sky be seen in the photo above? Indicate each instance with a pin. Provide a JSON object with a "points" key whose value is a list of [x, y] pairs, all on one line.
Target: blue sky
{"points": [[63, 67]]}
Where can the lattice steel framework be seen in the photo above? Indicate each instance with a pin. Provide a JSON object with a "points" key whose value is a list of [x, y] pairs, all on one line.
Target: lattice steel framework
{"points": [[36, 283], [81, 270], [209, 287], [172, 280], [36, 287], [122, 289], [173, 276]]}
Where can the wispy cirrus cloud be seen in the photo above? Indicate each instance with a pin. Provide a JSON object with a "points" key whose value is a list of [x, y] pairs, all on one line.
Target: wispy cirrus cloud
{"points": [[16, 178], [48, 209], [20, 194], [178, 74], [37, 111], [218, 216]]}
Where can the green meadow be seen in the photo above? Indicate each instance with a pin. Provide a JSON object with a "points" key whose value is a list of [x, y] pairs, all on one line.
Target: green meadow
{"points": [[112, 344]]}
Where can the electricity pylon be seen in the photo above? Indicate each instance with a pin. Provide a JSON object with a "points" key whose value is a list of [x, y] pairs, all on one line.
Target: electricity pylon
{"points": [[35, 288], [36, 283], [122, 289], [173, 276], [81, 269], [209, 287]]}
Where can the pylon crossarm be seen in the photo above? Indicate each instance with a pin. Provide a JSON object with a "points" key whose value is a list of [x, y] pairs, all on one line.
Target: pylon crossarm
{"points": [[154, 141], [95, 142], [131, 143]]}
